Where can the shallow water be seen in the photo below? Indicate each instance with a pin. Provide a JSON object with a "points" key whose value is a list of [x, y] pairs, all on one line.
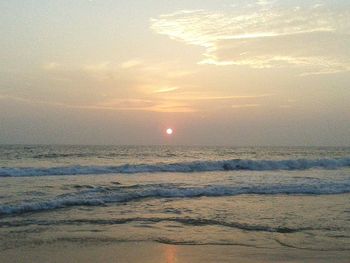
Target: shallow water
{"points": [[269, 198]]}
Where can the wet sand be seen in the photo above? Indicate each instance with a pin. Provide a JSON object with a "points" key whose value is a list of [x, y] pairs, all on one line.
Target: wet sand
{"points": [[150, 252]]}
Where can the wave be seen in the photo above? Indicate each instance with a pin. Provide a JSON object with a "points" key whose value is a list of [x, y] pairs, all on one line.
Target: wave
{"points": [[190, 221], [79, 155], [102, 196], [182, 167], [62, 155]]}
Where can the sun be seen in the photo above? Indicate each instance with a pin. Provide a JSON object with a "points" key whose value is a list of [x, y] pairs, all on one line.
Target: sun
{"points": [[169, 131]]}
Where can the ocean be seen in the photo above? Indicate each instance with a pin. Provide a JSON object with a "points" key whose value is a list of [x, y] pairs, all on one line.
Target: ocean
{"points": [[260, 197]]}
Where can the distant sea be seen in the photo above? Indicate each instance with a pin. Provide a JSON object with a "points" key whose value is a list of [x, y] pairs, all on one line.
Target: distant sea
{"points": [[257, 197]]}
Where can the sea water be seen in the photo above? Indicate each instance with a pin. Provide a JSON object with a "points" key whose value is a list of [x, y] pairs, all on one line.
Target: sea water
{"points": [[257, 197]]}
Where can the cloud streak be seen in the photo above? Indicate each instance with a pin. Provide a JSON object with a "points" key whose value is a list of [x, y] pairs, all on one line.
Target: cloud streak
{"points": [[314, 39], [174, 104]]}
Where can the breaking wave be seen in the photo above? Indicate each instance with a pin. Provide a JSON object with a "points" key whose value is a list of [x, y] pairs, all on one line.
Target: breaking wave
{"points": [[102, 196], [183, 167]]}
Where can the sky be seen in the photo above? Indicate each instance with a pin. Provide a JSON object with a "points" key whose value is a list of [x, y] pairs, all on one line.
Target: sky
{"points": [[235, 73]]}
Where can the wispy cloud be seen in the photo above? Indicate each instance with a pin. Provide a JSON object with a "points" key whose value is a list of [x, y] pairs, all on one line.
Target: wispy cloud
{"points": [[140, 85], [99, 67], [183, 103], [114, 104], [265, 2], [131, 63], [166, 89], [267, 35], [200, 97], [238, 106]]}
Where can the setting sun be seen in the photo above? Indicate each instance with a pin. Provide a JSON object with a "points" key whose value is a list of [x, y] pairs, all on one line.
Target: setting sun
{"points": [[169, 131]]}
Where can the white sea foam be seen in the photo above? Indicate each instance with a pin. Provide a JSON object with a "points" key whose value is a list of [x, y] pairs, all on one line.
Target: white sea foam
{"points": [[105, 195], [184, 167]]}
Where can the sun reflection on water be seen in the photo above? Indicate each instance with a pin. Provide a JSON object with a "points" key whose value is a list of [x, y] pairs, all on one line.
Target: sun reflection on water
{"points": [[170, 254]]}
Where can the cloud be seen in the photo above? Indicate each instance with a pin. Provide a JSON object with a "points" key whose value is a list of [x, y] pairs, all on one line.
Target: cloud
{"points": [[136, 85], [199, 96], [132, 85], [166, 89], [131, 63], [99, 67], [238, 106], [150, 104], [267, 35], [265, 2], [180, 103]]}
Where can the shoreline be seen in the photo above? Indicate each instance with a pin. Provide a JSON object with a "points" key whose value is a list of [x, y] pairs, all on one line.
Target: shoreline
{"points": [[152, 252]]}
